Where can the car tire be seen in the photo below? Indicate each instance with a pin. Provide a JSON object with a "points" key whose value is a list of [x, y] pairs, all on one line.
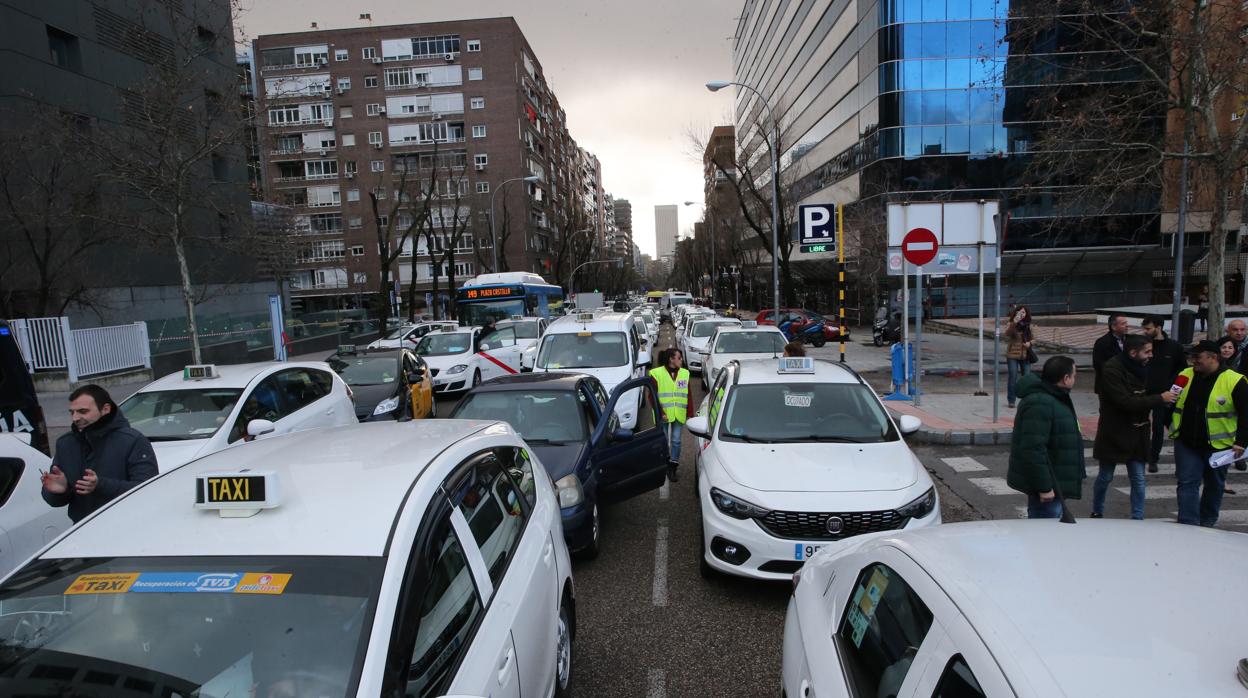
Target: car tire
{"points": [[476, 378], [591, 551], [563, 653], [818, 340]]}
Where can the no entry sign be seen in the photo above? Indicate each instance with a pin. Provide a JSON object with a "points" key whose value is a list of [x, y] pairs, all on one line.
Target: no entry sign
{"points": [[919, 246]]}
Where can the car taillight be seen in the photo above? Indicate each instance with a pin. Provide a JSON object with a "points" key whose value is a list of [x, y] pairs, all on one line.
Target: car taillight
{"points": [[350, 394]]}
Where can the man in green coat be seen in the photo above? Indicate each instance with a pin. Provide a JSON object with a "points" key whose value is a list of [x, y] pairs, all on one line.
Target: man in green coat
{"points": [[1046, 449]]}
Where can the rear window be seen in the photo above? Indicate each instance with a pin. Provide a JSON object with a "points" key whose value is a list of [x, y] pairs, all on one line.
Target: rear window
{"points": [[748, 342]]}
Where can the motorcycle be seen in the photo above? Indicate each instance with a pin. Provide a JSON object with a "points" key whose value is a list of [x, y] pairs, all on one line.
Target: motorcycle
{"points": [[809, 333], [886, 331]]}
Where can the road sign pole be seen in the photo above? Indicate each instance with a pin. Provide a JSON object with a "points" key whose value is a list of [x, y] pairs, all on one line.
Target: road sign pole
{"points": [[980, 334], [905, 314], [840, 275], [918, 336]]}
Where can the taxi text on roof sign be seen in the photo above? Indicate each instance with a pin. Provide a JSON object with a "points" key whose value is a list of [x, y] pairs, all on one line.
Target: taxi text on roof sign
{"points": [[198, 372], [236, 494], [797, 364]]}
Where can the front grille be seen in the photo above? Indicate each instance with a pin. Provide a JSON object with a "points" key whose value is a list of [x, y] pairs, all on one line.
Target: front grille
{"points": [[808, 525]]}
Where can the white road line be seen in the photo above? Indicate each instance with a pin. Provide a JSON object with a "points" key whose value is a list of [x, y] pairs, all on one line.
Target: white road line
{"points": [[992, 485], [660, 564], [656, 682], [964, 464], [664, 491]]}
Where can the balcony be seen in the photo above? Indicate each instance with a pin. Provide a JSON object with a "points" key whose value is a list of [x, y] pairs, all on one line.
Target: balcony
{"points": [[327, 123], [302, 152], [418, 143], [304, 178], [434, 115]]}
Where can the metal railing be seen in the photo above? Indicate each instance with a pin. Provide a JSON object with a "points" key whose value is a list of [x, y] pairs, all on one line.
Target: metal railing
{"points": [[50, 344], [42, 340]]}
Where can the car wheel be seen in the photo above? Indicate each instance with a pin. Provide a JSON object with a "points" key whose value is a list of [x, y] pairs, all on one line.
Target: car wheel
{"points": [[476, 378], [589, 552], [818, 340], [563, 654]]}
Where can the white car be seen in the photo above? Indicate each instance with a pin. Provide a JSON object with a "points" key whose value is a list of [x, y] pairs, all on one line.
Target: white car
{"points": [[27, 523], [748, 341], [604, 345], [652, 323], [529, 331], [1032, 609], [421, 558], [206, 408], [693, 343], [461, 359], [409, 335], [796, 455]]}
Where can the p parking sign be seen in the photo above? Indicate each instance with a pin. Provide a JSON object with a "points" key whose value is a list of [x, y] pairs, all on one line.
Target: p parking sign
{"points": [[818, 224]]}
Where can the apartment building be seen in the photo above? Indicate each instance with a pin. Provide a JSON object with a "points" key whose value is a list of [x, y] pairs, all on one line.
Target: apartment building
{"points": [[452, 116]]}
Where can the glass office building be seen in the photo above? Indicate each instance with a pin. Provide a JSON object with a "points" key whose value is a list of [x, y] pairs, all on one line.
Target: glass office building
{"points": [[911, 100]]}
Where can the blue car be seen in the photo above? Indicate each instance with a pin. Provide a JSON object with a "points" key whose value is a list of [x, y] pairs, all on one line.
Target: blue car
{"points": [[570, 423]]}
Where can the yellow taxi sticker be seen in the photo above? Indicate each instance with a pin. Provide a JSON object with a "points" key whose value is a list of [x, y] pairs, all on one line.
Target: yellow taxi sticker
{"points": [[102, 583], [584, 334], [262, 583]]}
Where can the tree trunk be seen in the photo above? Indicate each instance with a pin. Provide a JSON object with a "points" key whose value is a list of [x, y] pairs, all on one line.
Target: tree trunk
{"points": [[188, 293], [1217, 263]]}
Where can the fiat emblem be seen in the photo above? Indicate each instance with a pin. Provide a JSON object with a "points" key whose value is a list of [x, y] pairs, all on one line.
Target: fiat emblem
{"points": [[835, 525]]}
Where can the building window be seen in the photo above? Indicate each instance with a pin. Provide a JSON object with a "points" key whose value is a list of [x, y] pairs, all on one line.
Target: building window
{"points": [[357, 250], [344, 84], [477, 102], [341, 54], [353, 195], [348, 139], [474, 46], [478, 132], [374, 137], [361, 278], [355, 221], [345, 112], [370, 80], [377, 166], [351, 168], [475, 74], [483, 187], [369, 53], [373, 109], [63, 50], [481, 160]]}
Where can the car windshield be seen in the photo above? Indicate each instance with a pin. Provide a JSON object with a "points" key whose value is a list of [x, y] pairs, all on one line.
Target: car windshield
{"points": [[707, 328], [583, 350], [444, 344], [206, 627], [524, 330], [678, 300], [538, 415], [179, 415], [812, 412], [398, 334], [748, 342], [366, 370], [475, 314]]}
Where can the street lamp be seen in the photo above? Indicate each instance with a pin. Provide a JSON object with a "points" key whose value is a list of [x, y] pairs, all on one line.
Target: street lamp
{"points": [[716, 86], [493, 242], [572, 278]]}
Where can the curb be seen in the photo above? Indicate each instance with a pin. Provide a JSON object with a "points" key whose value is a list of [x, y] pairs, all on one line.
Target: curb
{"points": [[962, 437]]}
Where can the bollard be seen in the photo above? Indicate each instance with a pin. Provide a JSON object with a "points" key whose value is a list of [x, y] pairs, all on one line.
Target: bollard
{"points": [[902, 375]]}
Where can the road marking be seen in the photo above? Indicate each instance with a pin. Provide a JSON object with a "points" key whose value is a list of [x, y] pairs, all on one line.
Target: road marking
{"points": [[660, 564], [992, 485], [664, 492], [1165, 451], [1159, 492], [656, 681], [963, 464], [1121, 471]]}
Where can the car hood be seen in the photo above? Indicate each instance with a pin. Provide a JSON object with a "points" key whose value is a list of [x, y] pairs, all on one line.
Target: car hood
{"points": [[820, 467], [367, 396], [171, 454], [559, 459]]}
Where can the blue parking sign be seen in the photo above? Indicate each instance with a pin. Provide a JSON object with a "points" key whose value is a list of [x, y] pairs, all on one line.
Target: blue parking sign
{"points": [[817, 224]]}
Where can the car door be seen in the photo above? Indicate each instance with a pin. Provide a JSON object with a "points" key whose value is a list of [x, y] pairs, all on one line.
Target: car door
{"points": [[630, 463], [506, 524], [306, 395], [499, 353]]}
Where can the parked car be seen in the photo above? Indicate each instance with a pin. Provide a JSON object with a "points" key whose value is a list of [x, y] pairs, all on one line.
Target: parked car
{"points": [[386, 383], [27, 523], [831, 328]]}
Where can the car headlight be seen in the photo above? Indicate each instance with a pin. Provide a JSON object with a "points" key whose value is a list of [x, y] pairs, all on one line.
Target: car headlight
{"points": [[736, 507], [920, 507], [387, 405], [458, 368], [570, 492]]}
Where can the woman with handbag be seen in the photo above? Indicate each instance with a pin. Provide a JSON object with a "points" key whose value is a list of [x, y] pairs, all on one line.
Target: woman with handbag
{"points": [[1018, 353]]}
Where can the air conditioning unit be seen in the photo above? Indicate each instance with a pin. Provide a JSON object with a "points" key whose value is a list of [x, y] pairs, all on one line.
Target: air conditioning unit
{"points": [[448, 57], [480, 167], [376, 61], [341, 90], [437, 116], [377, 146], [350, 175], [381, 110]]}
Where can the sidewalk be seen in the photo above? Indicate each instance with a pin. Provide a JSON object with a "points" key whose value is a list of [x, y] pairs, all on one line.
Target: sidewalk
{"points": [[961, 420], [1063, 334]]}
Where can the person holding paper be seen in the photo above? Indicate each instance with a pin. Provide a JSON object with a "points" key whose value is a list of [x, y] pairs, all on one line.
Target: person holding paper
{"points": [[1210, 415]]}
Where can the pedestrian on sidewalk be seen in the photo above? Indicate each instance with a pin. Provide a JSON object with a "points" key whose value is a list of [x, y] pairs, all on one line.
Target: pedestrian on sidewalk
{"points": [[1226, 351], [1046, 448], [1018, 335], [1108, 346], [1210, 415], [671, 380], [1168, 359], [99, 459], [1122, 429], [1237, 330]]}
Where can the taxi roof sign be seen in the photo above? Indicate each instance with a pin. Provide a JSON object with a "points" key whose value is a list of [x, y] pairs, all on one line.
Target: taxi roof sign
{"points": [[517, 317], [585, 317], [796, 364], [237, 494], [198, 372], [749, 324], [347, 348]]}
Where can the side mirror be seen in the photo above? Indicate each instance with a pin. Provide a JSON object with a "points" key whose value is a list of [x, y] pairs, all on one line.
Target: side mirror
{"points": [[699, 426], [908, 424], [260, 427], [643, 358], [620, 434], [412, 377]]}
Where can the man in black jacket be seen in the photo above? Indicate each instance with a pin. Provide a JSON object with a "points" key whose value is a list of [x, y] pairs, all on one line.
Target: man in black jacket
{"points": [[1169, 358], [1108, 346], [99, 459]]}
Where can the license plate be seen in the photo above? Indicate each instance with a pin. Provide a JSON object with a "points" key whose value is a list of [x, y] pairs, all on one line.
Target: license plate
{"points": [[803, 551]]}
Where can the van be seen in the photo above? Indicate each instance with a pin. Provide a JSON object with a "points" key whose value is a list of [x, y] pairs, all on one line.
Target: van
{"points": [[605, 345]]}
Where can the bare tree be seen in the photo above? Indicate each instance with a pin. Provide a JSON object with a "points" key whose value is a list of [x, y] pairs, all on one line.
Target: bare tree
{"points": [[271, 237], [386, 204]]}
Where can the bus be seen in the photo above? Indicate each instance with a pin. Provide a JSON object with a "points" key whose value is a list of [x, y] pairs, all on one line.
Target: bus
{"points": [[502, 295]]}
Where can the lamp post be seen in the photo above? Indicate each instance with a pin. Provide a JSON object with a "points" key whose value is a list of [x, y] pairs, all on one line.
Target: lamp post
{"points": [[572, 278], [494, 242], [716, 86]]}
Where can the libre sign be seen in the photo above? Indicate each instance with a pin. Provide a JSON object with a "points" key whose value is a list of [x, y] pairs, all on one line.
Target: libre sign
{"points": [[919, 246]]}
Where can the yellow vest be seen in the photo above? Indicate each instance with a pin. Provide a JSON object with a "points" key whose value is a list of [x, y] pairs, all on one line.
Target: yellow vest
{"points": [[1220, 415], [673, 394]]}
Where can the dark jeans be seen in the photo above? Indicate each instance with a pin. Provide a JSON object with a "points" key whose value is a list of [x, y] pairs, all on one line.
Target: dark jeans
{"points": [[1192, 468], [1017, 369], [1161, 422], [1135, 473], [1037, 509]]}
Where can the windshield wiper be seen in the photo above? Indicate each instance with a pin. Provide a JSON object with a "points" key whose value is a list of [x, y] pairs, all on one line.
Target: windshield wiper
{"points": [[750, 439], [171, 438], [823, 438]]}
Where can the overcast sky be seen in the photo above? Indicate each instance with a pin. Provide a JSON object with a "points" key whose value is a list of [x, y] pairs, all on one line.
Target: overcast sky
{"points": [[629, 73]]}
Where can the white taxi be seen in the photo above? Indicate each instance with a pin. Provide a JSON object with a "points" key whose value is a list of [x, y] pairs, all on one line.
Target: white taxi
{"points": [[421, 558], [206, 408], [1032, 609], [603, 344], [460, 358], [795, 455], [27, 523], [739, 343], [529, 331], [410, 335], [694, 340]]}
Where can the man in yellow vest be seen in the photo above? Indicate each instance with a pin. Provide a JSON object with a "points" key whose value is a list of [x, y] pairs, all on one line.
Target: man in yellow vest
{"points": [[1210, 415], [672, 386]]}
